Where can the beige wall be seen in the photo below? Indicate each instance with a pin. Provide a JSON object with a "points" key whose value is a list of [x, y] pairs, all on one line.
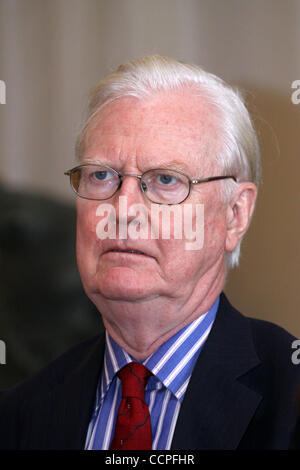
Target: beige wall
{"points": [[52, 51]]}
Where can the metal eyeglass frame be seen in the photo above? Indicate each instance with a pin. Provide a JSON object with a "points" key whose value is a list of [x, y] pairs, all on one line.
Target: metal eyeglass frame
{"points": [[144, 189]]}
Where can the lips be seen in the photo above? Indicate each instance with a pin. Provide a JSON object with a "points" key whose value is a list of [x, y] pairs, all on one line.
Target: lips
{"points": [[125, 249], [128, 251]]}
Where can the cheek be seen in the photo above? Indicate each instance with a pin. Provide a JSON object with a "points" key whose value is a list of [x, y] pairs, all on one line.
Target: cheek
{"points": [[86, 218], [215, 231], [214, 219], [86, 232], [185, 259], [214, 235], [178, 263]]}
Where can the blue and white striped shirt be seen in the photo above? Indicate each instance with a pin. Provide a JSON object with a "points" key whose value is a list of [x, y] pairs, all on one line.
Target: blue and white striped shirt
{"points": [[171, 365]]}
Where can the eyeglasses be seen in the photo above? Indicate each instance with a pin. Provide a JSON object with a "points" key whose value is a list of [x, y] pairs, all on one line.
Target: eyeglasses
{"points": [[161, 186]]}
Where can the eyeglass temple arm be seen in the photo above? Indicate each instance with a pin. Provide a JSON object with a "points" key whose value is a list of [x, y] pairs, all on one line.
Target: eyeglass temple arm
{"points": [[212, 178]]}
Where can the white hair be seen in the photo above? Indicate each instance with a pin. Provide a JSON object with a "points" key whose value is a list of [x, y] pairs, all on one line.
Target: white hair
{"points": [[239, 150]]}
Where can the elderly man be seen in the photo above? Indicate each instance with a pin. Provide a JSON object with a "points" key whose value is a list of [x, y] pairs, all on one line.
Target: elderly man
{"points": [[179, 367]]}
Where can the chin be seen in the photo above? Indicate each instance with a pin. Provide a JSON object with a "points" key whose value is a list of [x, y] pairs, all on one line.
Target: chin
{"points": [[123, 284]]}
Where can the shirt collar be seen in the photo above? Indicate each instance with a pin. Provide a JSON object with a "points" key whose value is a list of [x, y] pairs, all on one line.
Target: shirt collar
{"points": [[171, 364]]}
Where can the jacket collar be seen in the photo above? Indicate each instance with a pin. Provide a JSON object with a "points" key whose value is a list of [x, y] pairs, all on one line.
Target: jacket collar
{"points": [[217, 408]]}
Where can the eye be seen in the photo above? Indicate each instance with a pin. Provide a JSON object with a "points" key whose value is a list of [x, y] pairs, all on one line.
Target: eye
{"points": [[102, 175], [166, 180]]}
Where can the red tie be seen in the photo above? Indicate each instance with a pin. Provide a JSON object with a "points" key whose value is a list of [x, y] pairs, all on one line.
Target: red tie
{"points": [[133, 426]]}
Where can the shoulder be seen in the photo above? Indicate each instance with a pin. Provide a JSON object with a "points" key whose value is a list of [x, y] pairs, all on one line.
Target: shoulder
{"points": [[26, 409], [274, 346], [279, 364], [55, 373], [269, 336], [265, 332]]}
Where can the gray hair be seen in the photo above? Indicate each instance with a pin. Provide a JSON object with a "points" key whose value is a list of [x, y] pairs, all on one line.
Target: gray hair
{"points": [[141, 78]]}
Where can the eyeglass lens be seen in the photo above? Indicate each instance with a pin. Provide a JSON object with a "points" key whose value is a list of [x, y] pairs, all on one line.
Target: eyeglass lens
{"points": [[159, 185]]}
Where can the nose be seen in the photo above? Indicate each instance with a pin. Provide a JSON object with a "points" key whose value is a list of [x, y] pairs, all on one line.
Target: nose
{"points": [[126, 206], [130, 186]]}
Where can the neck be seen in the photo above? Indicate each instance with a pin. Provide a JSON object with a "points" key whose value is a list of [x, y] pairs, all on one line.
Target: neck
{"points": [[141, 327]]}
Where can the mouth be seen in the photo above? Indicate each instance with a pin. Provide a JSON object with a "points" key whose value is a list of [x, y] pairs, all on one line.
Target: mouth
{"points": [[128, 251], [135, 252]]}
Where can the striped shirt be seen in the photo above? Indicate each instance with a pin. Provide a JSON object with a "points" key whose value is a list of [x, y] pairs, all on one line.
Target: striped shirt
{"points": [[171, 365]]}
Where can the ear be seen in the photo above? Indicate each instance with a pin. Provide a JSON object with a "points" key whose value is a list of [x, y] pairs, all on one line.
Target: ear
{"points": [[239, 212]]}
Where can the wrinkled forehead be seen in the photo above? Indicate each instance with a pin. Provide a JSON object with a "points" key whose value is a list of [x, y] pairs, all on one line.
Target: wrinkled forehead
{"points": [[177, 127]]}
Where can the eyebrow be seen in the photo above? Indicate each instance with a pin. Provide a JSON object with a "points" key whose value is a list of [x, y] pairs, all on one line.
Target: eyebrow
{"points": [[170, 165], [175, 165], [180, 166], [92, 161]]}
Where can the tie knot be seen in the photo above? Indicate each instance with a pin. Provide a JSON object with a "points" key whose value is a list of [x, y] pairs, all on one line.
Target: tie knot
{"points": [[134, 378]]}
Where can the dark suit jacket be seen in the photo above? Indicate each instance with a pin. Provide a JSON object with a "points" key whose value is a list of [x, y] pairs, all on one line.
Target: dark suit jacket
{"points": [[240, 396]]}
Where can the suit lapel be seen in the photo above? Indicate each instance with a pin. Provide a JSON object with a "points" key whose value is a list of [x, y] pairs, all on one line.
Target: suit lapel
{"points": [[217, 408]]}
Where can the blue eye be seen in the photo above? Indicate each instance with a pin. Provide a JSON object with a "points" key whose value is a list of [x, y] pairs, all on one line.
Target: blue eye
{"points": [[101, 175], [166, 179]]}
